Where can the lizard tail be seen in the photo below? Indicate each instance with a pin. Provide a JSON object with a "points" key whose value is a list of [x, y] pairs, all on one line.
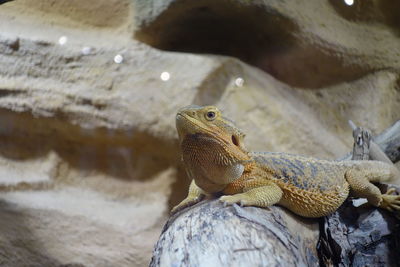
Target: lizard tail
{"points": [[391, 175], [378, 171], [395, 175]]}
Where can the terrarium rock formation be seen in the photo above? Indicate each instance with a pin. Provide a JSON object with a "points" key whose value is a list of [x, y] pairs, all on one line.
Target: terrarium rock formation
{"points": [[89, 161]]}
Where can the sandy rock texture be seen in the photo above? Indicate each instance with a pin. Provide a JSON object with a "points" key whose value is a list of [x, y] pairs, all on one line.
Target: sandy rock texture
{"points": [[89, 162]]}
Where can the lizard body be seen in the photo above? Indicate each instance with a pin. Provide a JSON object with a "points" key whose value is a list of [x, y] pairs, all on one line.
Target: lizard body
{"points": [[217, 161]]}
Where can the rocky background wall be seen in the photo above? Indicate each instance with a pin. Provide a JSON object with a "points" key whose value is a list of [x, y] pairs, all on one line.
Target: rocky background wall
{"points": [[89, 162]]}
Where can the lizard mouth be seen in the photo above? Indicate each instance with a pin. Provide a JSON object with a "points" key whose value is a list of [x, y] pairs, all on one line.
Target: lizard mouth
{"points": [[186, 124]]}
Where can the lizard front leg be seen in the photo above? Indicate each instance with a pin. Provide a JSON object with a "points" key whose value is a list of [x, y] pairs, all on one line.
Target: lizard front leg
{"points": [[194, 196], [261, 194]]}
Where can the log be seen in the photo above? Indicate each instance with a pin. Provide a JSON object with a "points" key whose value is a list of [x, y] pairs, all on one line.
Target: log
{"points": [[209, 234], [354, 236]]}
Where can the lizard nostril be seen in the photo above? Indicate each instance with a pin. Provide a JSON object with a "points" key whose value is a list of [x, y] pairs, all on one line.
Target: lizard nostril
{"points": [[235, 140]]}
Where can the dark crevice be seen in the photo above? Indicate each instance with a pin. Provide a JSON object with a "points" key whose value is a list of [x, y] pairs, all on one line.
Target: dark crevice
{"points": [[255, 34], [113, 152], [224, 31], [4, 1]]}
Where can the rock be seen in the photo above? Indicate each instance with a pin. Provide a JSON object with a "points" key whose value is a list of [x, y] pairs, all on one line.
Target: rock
{"points": [[309, 45], [88, 148]]}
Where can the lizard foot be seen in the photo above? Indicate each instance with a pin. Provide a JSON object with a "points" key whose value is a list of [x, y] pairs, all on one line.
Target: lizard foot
{"points": [[240, 199], [390, 202], [185, 203]]}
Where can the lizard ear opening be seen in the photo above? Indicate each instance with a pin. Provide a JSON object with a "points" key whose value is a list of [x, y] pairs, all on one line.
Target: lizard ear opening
{"points": [[235, 141]]}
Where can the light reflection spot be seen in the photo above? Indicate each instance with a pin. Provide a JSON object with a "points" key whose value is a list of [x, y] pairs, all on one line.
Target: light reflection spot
{"points": [[118, 59], [349, 2], [239, 82], [62, 40], [165, 76]]}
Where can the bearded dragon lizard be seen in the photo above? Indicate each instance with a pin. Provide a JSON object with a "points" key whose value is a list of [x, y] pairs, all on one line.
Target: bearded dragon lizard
{"points": [[217, 161]]}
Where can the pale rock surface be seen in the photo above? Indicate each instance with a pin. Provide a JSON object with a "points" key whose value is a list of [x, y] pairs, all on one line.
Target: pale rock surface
{"points": [[89, 162]]}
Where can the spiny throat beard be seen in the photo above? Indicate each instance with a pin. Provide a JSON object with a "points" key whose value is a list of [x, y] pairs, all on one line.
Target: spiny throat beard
{"points": [[208, 163]]}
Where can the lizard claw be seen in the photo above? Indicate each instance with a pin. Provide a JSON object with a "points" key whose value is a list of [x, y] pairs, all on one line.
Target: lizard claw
{"points": [[390, 202], [225, 204], [226, 200], [184, 204], [391, 191], [233, 199]]}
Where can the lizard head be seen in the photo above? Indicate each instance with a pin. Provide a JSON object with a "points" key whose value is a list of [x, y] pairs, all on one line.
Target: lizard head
{"points": [[208, 120], [212, 147]]}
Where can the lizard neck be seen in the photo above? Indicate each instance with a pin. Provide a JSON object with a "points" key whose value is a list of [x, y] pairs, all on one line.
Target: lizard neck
{"points": [[209, 163]]}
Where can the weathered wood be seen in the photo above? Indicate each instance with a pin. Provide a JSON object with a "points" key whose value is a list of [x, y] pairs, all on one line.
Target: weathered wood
{"points": [[361, 236], [362, 139], [209, 234], [389, 143]]}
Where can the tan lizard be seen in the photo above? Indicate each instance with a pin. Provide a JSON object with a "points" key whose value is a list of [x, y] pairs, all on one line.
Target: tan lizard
{"points": [[217, 161]]}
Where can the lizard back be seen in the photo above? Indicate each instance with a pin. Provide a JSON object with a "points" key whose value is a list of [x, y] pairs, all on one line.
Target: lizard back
{"points": [[307, 182], [303, 172]]}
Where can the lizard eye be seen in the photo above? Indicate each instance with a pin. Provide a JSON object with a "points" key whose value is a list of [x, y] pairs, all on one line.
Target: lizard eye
{"points": [[210, 115]]}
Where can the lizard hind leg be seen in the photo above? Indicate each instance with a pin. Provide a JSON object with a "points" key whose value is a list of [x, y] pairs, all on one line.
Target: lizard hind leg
{"points": [[359, 181]]}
